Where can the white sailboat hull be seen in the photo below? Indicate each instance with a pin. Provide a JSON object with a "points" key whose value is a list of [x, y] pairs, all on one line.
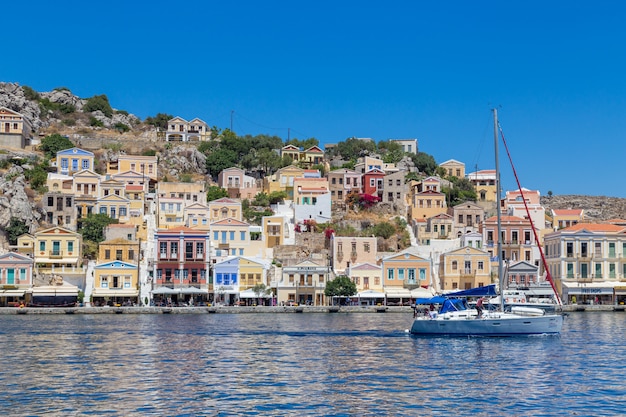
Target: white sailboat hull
{"points": [[491, 324]]}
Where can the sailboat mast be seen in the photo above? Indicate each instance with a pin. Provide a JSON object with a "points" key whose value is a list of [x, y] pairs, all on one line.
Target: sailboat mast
{"points": [[499, 215]]}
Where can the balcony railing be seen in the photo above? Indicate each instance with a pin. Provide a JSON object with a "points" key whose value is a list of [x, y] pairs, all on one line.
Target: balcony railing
{"points": [[55, 253]]}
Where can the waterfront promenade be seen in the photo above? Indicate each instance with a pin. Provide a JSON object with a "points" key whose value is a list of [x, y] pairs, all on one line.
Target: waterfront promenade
{"points": [[259, 309]]}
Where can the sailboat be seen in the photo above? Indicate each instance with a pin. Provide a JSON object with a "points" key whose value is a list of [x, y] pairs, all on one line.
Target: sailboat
{"points": [[456, 318]]}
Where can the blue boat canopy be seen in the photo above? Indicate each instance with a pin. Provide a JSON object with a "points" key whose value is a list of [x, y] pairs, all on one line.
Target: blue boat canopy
{"points": [[487, 290], [439, 299]]}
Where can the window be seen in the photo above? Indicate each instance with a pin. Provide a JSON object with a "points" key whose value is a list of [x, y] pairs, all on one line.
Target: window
{"points": [[131, 254], [42, 246], [401, 274], [70, 246], [390, 274], [242, 236], [232, 235], [411, 275], [481, 265], [422, 272], [64, 164], [122, 211], [118, 254], [85, 163], [104, 282], [455, 265], [74, 164]]}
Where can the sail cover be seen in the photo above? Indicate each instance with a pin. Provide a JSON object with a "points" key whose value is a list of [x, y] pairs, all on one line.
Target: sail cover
{"points": [[487, 290]]}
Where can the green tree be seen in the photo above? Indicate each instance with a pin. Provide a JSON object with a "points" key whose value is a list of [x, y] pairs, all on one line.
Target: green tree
{"points": [[384, 230], [160, 120], [121, 127], [261, 199], [214, 192], [320, 167], [219, 160], [96, 103], [424, 163], [30, 94], [391, 151], [342, 286], [52, 144], [261, 290], [277, 197], [269, 161], [92, 227], [37, 177], [351, 148], [15, 229]]}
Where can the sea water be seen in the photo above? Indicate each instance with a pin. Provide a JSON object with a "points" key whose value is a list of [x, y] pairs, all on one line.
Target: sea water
{"points": [[303, 365]]}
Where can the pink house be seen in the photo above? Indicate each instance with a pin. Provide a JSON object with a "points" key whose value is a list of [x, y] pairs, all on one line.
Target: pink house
{"points": [[16, 277]]}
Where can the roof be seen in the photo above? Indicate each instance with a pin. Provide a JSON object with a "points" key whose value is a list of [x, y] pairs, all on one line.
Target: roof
{"points": [[567, 212], [595, 227]]}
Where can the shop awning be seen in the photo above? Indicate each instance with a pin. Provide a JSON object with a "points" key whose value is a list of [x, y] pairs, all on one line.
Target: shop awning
{"points": [[591, 288], [398, 293], [52, 290], [251, 294], [421, 293], [370, 294], [12, 293], [107, 292], [193, 290], [165, 290]]}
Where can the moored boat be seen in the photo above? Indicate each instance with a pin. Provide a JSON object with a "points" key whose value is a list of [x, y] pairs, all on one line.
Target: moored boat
{"points": [[456, 318]]}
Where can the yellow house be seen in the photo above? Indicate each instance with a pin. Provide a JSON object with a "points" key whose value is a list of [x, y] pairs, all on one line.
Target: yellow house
{"points": [[252, 272], [485, 184], [427, 204], [115, 283], [188, 192], [403, 272], [453, 168], [111, 187], [60, 183], [224, 208], [291, 151], [115, 207], [25, 245], [368, 280], [86, 191], [282, 180], [562, 218], [15, 130], [58, 250], [313, 156], [170, 213], [145, 165], [464, 268], [70, 161], [196, 216], [230, 237], [274, 231], [119, 249]]}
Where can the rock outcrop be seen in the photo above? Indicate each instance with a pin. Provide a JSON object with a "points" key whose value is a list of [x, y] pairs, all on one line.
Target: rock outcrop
{"points": [[14, 201]]}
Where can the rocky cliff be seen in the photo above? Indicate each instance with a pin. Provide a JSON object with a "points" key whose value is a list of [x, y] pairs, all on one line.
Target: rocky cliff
{"points": [[596, 209]]}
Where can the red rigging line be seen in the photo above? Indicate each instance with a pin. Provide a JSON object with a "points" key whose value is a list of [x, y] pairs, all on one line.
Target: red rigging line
{"points": [[543, 258]]}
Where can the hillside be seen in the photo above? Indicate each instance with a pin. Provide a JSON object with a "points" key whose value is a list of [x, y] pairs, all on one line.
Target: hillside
{"points": [[92, 123], [596, 208]]}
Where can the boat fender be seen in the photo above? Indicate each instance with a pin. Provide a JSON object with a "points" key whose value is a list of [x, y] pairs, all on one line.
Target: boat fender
{"points": [[523, 300]]}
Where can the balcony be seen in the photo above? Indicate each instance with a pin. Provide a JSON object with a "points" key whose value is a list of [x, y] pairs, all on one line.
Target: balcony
{"points": [[55, 254]]}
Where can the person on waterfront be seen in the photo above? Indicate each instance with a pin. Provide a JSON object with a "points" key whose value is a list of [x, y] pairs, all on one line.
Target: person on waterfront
{"points": [[479, 306]]}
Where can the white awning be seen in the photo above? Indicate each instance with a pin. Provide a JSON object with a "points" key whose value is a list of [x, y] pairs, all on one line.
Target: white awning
{"points": [[421, 293], [51, 290], [108, 292], [398, 293], [370, 294], [12, 293], [590, 288], [165, 290], [251, 294]]}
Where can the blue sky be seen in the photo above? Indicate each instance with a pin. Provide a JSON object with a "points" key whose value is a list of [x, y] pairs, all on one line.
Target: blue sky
{"points": [[337, 69]]}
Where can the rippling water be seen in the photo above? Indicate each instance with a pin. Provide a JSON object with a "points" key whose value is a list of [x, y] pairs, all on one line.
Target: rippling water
{"points": [[303, 364]]}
